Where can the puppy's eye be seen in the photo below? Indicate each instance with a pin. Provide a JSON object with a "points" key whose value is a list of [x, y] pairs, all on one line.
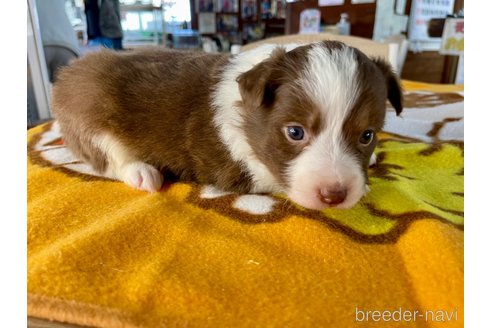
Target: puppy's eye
{"points": [[295, 132], [366, 137]]}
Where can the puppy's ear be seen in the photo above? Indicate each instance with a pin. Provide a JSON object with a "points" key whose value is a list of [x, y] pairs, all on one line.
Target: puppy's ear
{"points": [[395, 95], [258, 85]]}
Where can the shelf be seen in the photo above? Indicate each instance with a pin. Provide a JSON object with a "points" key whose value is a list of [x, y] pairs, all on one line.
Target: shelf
{"points": [[244, 24], [139, 7]]}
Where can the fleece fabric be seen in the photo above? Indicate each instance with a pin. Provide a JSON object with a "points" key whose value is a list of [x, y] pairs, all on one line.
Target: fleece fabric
{"points": [[102, 254]]}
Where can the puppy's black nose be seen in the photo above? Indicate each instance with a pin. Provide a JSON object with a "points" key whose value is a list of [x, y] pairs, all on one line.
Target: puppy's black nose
{"points": [[332, 196]]}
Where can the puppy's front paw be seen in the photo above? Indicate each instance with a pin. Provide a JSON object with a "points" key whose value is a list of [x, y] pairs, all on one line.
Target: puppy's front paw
{"points": [[143, 176]]}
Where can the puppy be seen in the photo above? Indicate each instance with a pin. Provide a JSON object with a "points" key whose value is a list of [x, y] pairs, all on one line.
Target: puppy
{"points": [[297, 119]]}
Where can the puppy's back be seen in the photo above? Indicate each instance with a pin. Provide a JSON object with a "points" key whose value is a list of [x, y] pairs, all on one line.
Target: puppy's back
{"points": [[109, 80], [140, 97]]}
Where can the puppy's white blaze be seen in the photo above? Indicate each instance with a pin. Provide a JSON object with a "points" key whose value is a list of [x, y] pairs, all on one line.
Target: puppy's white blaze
{"points": [[330, 80], [228, 119]]}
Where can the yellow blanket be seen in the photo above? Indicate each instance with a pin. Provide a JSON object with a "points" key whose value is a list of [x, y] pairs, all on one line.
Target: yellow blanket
{"points": [[101, 254]]}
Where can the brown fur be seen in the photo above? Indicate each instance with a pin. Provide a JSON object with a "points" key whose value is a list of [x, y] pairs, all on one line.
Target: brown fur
{"points": [[378, 83], [276, 101], [156, 103]]}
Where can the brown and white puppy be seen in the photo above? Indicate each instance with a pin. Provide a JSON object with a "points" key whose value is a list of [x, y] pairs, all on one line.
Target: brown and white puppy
{"points": [[295, 119]]}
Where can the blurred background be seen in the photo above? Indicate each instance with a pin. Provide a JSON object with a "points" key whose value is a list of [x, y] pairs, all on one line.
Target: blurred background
{"points": [[62, 30]]}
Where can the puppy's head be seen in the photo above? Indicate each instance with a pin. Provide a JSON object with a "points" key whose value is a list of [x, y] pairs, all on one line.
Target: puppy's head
{"points": [[311, 116]]}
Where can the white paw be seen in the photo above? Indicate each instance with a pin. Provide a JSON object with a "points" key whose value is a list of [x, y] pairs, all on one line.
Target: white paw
{"points": [[143, 176], [372, 160]]}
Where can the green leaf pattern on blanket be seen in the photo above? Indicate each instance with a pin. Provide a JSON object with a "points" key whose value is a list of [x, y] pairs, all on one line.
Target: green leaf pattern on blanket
{"points": [[436, 179], [407, 188]]}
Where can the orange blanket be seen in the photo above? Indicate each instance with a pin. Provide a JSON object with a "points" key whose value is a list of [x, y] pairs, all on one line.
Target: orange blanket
{"points": [[101, 254]]}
